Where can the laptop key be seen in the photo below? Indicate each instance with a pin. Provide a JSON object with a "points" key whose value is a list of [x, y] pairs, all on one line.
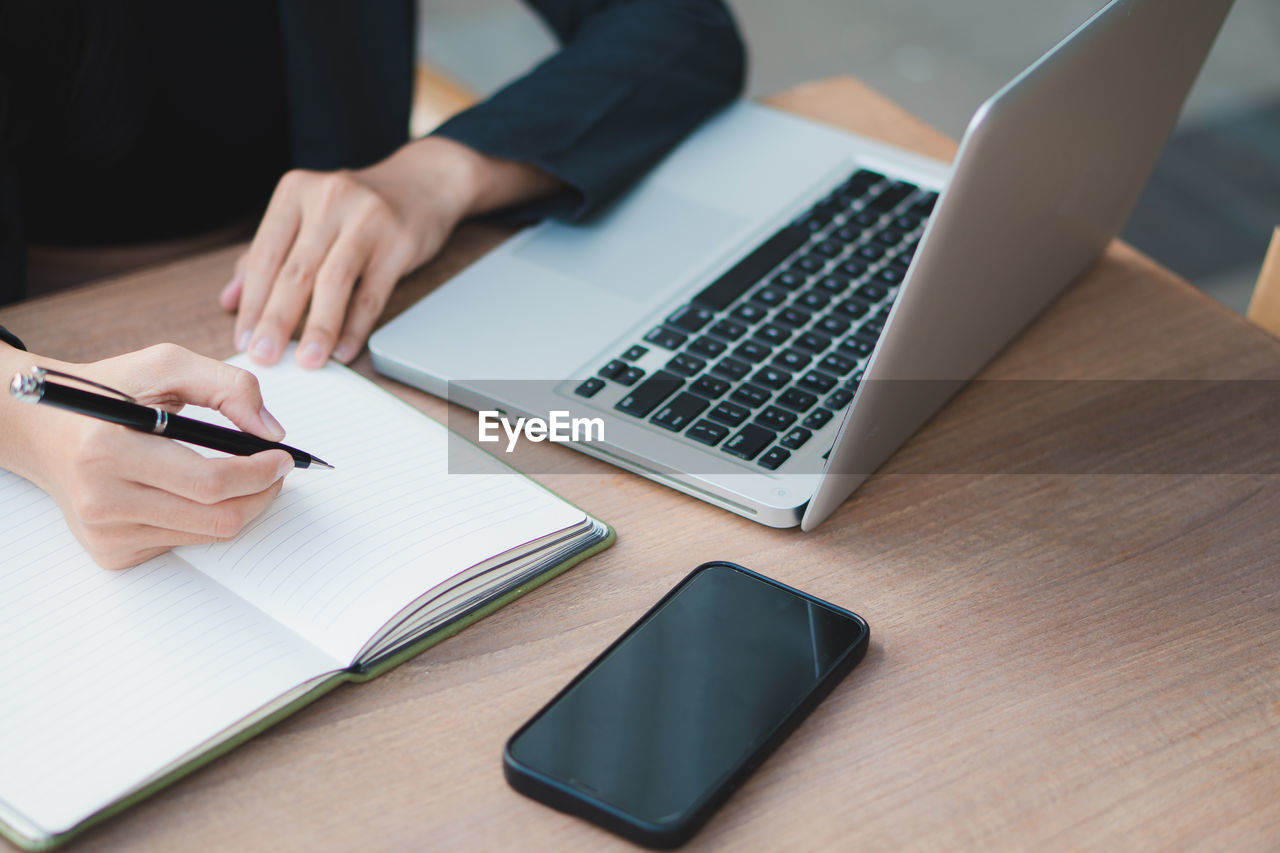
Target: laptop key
{"points": [[750, 395], [797, 400], [813, 300], [707, 347], [833, 284], [630, 376], [924, 207], [729, 413], [830, 248], [791, 360], [689, 365], [774, 458], [869, 252], [635, 353], [709, 387], [771, 377], [770, 296], [892, 196], [749, 313], [775, 418], [865, 218], [691, 318], [612, 369], [796, 438], [589, 387], [707, 432], [890, 275], [817, 419], [680, 412], [772, 333], [753, 350], [793, 316], [856, 348], [811, 263], [864, 178], [852, 268], [889, 237], [847, 233], [837, 364], [731, 368], [812, 341], [666, 338], [834, 326], [852, 308], [729, 330], [648, 394], [838, 399], [788, 280], [745, 274], [749, 441], [872, 292], [817, 381]]}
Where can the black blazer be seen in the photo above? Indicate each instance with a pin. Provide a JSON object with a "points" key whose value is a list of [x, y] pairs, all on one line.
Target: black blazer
{"points": [[633, 77]]}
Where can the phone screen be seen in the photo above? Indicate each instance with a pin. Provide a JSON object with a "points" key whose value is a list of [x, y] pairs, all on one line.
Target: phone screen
{"points": [[668, 714]]}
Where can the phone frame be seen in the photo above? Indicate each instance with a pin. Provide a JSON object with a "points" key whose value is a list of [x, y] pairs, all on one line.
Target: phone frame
{"points": [[552, 792]]}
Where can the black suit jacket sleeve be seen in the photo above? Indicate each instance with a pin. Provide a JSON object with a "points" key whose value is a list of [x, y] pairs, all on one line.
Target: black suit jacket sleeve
{"points": [[10, 338], [632, 79]]}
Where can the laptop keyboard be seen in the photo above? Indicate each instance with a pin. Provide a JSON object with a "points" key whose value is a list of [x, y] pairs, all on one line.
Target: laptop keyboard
{"points": [[772, 351]]}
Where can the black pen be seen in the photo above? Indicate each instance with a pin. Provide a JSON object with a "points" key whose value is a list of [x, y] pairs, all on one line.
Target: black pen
{"points": [[33, 387]]}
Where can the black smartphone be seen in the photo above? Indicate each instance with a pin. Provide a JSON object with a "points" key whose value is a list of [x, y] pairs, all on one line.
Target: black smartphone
{"points": [[657, 731]]}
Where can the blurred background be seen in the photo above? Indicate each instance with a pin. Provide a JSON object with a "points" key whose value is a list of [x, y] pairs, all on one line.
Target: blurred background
{"points": [[1212, 202]]}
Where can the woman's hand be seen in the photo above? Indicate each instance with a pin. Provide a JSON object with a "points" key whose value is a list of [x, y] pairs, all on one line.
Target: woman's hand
{"points": [[333, 245], [127, 496]]}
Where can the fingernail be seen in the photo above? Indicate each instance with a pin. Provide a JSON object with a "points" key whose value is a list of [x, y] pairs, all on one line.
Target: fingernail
{"points": [[273, 425], [242, 340], [343, 353], [264, 348], [236, 280], [311, 354], [285, 467]]}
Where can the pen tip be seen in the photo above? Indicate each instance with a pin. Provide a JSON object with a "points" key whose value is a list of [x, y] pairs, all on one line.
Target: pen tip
{"points": [[320, 463]]}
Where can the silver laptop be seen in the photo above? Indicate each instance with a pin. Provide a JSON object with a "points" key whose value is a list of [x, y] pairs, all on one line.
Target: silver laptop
{"points": [[777, 306]]}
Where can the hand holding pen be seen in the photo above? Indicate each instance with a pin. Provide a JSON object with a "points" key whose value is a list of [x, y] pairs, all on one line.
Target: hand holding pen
{"points": [[126, 495]]}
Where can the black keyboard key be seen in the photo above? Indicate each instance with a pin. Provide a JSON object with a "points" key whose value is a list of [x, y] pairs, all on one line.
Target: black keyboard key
{"points": [[837, 364], [648, 394], [924, 206], [817, 419], [773, 334], [590, 387], [852, 268], [852, 308], [829, 248], [889, 237], [811, 263], [725, 290], [731, 368], [771, 377], [729, 413], [890, 275], [872, 292], [797, 400], [813, 300], [870, 330], [856, 348], [865, 218], [707, 347], [691, 318], [635, 353], [791, 360], [869, 252], [775, 418], [680, 412], [689, 365], [793, 316], [666, 338], [907, 223], [833, 284], [729, 330], [817, 382], [851, 384], [847, 233], [748, 443], [796, 438], [709, 387], [813, 223], [707, 432], [813, 342], [891, 196], [789, 280], [834, 326], [753, 350], [770, 296], [750, 395], [612, 369], [774, 458], [838, 399], [749, 313], [630, 376], [864, 178]]}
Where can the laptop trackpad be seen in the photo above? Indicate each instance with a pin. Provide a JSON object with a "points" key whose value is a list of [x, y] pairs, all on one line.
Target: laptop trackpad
{"points": [[638, 248]]}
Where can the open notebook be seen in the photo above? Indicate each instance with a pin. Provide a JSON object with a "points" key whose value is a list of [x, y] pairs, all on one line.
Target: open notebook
{"points": [[115, 683]]}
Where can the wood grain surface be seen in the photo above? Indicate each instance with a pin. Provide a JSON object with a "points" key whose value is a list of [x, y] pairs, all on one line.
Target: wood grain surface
{"points": [[1085, 660]]}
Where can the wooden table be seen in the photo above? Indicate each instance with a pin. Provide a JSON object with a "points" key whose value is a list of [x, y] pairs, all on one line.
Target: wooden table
{"points": [[1077, 661]]}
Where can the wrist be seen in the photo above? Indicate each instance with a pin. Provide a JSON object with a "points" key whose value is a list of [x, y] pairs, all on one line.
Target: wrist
{"points": [[25, 427]]}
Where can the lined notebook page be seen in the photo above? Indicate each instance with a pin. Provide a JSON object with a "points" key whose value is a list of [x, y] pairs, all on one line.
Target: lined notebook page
{"points": [[107, 677], [340, 552]]}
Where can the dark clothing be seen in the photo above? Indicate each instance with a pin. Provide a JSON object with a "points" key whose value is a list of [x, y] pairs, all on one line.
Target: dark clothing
{"points": [[137, 120]]}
